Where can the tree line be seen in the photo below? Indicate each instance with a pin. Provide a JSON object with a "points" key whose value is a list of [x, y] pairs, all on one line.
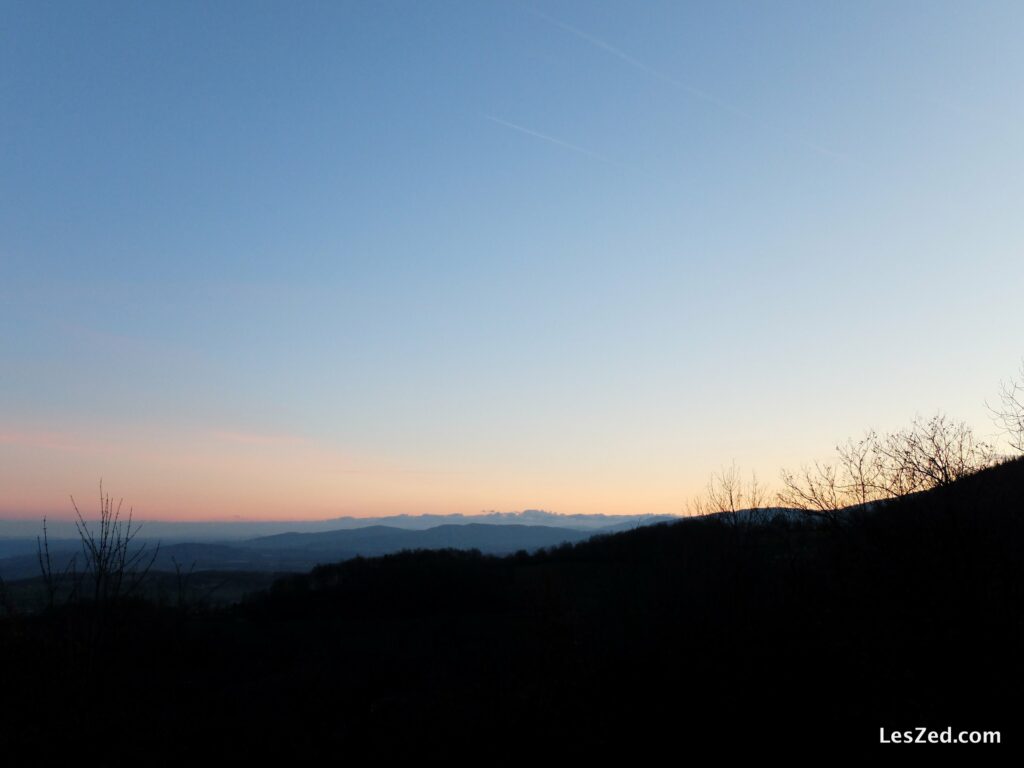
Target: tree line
{"points": [[929, 453]]}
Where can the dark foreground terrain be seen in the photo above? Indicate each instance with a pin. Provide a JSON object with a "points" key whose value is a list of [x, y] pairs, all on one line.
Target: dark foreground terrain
{"points": [[779, 637]]}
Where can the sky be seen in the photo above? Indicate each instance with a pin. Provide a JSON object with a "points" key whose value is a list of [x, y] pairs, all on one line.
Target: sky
{"points": [[301, 260]]}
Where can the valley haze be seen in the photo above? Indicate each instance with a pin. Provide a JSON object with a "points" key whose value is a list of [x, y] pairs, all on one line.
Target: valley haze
{"points": [[301, 545]]}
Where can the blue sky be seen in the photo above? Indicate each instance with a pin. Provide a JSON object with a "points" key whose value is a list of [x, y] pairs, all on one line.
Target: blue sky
{"points": [[304, 259]]}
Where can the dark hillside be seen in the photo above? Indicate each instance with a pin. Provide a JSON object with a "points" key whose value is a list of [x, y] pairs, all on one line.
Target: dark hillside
{"points": [[790, 635]]}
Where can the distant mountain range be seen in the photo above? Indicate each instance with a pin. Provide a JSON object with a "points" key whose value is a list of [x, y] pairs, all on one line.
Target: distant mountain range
{"points": [[231, 530], [300, 550]]}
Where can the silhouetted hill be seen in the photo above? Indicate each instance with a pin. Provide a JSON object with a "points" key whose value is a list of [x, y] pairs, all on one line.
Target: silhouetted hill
{"points": [[381, 539], [792, 636]]}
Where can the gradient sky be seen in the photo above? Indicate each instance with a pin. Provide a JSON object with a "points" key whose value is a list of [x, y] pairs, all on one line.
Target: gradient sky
{"points": [[299, 260]]}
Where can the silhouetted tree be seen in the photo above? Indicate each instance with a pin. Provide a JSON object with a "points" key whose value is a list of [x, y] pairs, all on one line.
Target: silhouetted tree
{"points": [[182, 578], [53, 579], [928, 454], [6, 603], [1009, 414], [736, 499], [816, 488], [931, 454]]}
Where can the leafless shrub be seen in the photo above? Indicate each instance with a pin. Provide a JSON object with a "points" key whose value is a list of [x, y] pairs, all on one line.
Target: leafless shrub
{"points": [[113, 567]]}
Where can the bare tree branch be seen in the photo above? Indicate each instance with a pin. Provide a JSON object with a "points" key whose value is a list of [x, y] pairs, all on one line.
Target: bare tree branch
{"points": [[929, 454], [1009, 414], [113, 566]]}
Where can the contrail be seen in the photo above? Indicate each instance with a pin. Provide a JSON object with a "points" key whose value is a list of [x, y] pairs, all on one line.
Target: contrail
{"points": [[637, 64], [689, 89], [557, 142]]}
